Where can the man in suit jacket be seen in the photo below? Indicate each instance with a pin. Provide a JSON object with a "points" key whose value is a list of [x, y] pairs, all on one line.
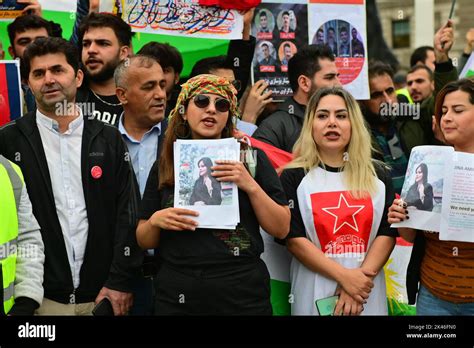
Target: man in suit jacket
{"points": [[79, 179]]}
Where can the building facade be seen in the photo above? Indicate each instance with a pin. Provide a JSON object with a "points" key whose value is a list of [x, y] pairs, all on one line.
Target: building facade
{"points": [[399, 25]]}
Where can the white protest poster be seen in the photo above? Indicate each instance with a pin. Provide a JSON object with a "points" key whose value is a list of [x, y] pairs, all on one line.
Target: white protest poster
{"points": [[196, 189], [183, 18], [423, 187], [457, 215], [341, 24]]}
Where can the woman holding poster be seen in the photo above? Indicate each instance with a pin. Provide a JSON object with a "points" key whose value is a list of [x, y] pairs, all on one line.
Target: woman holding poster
{"points": [[338, 236], [445, 267], [207, 271]]}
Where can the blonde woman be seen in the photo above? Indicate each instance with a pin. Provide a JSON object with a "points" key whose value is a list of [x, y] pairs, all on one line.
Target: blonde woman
{"points": [[338, 197]]}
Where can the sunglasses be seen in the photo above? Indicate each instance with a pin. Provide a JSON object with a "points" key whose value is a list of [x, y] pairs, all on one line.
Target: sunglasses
{"points": [[202, 101]]}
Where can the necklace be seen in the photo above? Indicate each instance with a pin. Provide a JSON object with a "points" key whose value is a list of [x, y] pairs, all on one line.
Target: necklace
{"points": [[102, 100]]}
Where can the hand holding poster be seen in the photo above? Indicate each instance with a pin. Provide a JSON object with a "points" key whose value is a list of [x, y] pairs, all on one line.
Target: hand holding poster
{"points": [[182, 18], [423, 187], [196, 189], [10, 9], [439, 192]]}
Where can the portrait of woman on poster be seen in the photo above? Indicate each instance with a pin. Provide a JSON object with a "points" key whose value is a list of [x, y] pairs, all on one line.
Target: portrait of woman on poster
{"points": [[420, 194], [207, 190]]}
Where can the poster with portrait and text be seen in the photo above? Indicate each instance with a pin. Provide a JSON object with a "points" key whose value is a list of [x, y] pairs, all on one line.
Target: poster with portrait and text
{"points": [[341, 24], [439, 192], [280, 27], [422, 189], [197, 189]]}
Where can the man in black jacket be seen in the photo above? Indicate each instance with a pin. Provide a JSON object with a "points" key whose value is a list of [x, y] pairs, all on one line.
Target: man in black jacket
{"points": [[312, 67], [79, 179]]}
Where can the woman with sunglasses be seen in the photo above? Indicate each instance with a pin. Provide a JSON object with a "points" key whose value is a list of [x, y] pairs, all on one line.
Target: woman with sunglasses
{"points": [[444, 269], [209, 271], [338, 236]]}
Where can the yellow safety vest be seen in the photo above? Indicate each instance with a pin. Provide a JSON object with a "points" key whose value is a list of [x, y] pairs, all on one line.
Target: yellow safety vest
{"points": [[404, 91], [11, 184]]}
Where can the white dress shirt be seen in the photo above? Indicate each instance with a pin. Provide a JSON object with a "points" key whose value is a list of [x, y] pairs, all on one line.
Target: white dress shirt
{"points": [[63, 154]]}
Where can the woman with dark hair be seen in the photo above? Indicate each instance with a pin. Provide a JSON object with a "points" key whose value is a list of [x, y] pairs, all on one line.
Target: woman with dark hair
{"points": [[207, 190], [445, 276], [420, 194], [202, 270]]}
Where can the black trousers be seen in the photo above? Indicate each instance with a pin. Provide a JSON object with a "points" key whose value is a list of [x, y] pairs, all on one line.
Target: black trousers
{"points": [[242, 289]]}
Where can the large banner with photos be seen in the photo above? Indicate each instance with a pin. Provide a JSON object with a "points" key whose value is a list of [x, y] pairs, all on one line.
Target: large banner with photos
{"points": [[281, 27]]}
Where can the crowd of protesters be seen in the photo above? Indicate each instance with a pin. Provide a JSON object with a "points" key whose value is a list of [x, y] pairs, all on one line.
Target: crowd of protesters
{"points": [[90, 184]]}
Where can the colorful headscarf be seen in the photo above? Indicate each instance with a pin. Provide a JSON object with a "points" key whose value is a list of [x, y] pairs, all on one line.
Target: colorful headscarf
{"points": [[207, 84]]}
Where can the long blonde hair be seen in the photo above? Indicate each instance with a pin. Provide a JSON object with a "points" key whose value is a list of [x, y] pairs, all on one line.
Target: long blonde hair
{"points": [[359, 172]]}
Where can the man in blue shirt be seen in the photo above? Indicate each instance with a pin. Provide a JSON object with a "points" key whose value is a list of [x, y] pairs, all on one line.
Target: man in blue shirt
{"points": [[140, 88]]}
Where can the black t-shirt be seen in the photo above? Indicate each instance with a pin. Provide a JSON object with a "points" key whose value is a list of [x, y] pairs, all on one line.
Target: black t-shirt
{"points": [[106, 109], [212, 246]]}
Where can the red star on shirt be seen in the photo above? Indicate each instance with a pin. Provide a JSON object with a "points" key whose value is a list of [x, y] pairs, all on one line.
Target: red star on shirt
{"points": [[344, 214]]}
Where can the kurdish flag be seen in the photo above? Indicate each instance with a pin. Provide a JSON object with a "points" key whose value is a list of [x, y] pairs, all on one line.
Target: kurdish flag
{"points": [[468, 69], [10, 91], [276, 256]]}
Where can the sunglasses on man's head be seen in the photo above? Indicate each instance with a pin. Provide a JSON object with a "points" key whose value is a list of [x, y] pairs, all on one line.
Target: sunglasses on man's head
{"points": [[202, 101]]}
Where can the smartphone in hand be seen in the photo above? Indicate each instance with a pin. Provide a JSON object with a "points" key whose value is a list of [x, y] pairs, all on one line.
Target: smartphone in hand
{"points": [[326, 306], [103, 308]]}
